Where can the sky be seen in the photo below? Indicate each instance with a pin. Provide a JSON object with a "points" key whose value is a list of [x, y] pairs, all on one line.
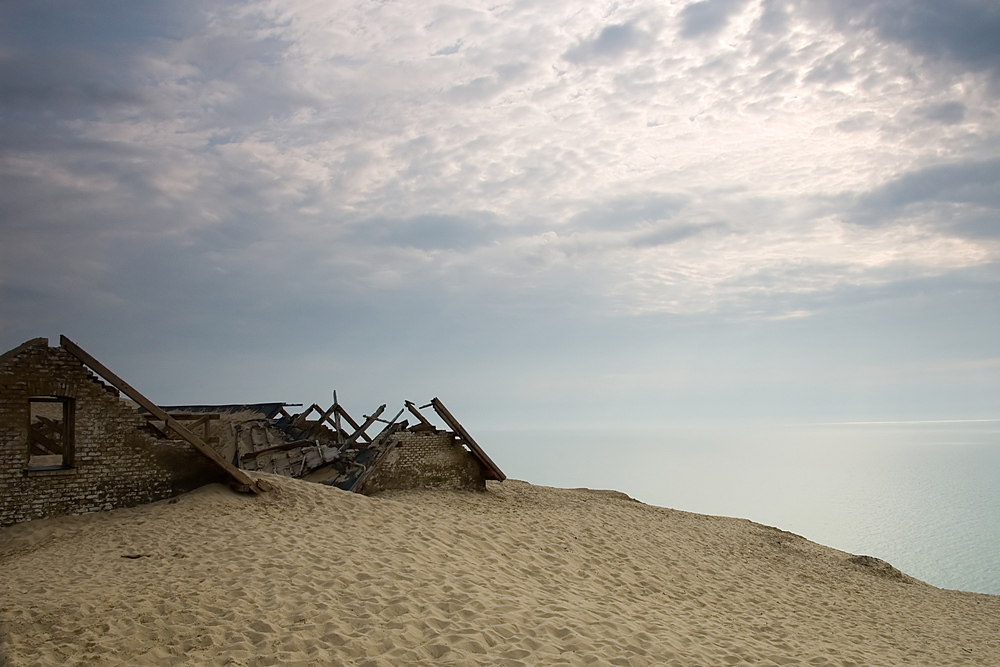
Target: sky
{"points": [[548, 214]]}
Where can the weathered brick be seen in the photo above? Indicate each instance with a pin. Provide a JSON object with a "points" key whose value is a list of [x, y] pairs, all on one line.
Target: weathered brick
{"points": [[427, 460], [116, 462]]}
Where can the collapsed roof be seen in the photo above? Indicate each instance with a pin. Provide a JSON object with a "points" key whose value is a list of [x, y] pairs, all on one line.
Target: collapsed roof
{"points": [[326, 446]]}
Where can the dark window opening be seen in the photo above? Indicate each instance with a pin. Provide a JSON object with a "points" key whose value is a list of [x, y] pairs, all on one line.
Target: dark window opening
{"points": [[50, 433]]}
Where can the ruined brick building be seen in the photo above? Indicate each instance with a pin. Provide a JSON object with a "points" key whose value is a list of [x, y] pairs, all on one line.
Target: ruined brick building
{"points": [[71, 443], [330, 447]]}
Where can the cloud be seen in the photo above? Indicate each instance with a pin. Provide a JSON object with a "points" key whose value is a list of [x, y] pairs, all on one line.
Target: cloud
{"points": [[488, 86], [948, 113], [857, 123], [100, 25], [971, 183], [629, 213], [612, 42], [317, 193], [449, 50], [25, 86], [831, 70], [433, 232], [962, 32], [965, 31], [708, 17], [773, 17], [666, 234], [77, 58], [256, 149]]}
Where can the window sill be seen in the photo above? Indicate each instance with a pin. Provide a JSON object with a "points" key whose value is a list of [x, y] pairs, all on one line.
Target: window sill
{"points": [[45, 471]]}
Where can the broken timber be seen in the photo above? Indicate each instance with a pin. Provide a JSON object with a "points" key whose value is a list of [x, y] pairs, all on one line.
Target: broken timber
{"points": [[324, 416], [360, 430], [416, 413], [387, 432], [241, 477], [284, 446], [343, 413], [467, 440]]}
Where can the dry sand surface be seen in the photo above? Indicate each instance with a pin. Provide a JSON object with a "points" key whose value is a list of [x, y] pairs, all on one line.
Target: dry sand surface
{"points": [[520, 575]]}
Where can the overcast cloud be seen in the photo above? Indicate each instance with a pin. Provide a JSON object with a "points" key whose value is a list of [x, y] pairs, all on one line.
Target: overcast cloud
{"points": [[493, 194]]}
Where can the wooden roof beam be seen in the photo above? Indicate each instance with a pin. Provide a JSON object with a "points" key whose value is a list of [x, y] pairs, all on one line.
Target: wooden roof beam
{"points": [[350, 420], [238, 475], [477, 451], [411, 406], [324, 416]]}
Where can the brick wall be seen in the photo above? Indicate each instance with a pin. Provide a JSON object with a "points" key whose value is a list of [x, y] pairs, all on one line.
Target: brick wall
{"points": [[420, 460], [116, 463]]}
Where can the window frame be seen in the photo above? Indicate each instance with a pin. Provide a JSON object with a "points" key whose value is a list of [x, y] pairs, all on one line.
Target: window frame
{"points": [[68, 432]]}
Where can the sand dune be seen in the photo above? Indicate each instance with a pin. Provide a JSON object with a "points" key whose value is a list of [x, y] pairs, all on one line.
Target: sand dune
{"points": [[520, 575]]}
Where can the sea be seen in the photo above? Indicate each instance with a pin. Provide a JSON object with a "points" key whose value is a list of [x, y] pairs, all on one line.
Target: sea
{"points": [[921, 495]]}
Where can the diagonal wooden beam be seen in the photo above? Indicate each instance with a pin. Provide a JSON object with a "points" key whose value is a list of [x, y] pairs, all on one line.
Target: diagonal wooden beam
{"points": [[412, 407], [360, 430], [336, 419], [153, 409], [359, 483], [315, 428], [477, 451], [300, 420], [350, 420]]}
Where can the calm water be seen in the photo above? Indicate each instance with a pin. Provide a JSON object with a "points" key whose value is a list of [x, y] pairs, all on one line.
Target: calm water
{"points": [[923, 496]]}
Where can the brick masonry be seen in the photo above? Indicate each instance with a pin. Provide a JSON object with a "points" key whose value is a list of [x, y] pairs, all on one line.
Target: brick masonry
{"points": [[117, 462], [423, 460]]}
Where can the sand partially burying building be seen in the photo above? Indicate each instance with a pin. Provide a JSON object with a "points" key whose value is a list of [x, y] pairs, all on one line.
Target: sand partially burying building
{"points": [[517, 576], [76, 438]]}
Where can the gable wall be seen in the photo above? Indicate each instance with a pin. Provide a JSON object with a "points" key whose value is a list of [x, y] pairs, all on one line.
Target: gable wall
{"points": [[424, 461], [115, 463]]}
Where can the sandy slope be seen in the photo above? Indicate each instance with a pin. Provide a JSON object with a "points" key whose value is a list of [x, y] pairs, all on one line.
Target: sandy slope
{"points": [[521, 575]]}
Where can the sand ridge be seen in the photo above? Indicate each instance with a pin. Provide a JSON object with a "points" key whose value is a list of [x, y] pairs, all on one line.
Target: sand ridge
{"points": [[520, 575]]}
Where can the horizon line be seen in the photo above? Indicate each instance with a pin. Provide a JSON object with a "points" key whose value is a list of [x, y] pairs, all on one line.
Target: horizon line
{"points": [[908, 421]]}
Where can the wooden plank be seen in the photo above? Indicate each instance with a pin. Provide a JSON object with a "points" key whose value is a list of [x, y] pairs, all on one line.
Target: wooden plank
{"points": [[319, 424], [350, 420], [306, 442], [359, 483], [155, 410], [336, 419], [360, 430], [40, 445], [192, 416], [300, 421], [159, 428], [411, 406], [201, 421], [284, 446], [204, 423], [477, 451]]}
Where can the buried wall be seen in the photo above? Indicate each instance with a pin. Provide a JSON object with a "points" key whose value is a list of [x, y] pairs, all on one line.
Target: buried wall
{"points": [[425, 460], [69, 445]]}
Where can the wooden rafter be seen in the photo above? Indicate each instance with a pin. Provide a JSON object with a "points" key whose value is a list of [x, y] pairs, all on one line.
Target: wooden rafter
{"points": [[467, 439], [300, 420], [196, 442], [359, 483], [350, 420], [369, 420], [323, 417], [411, 406]]}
